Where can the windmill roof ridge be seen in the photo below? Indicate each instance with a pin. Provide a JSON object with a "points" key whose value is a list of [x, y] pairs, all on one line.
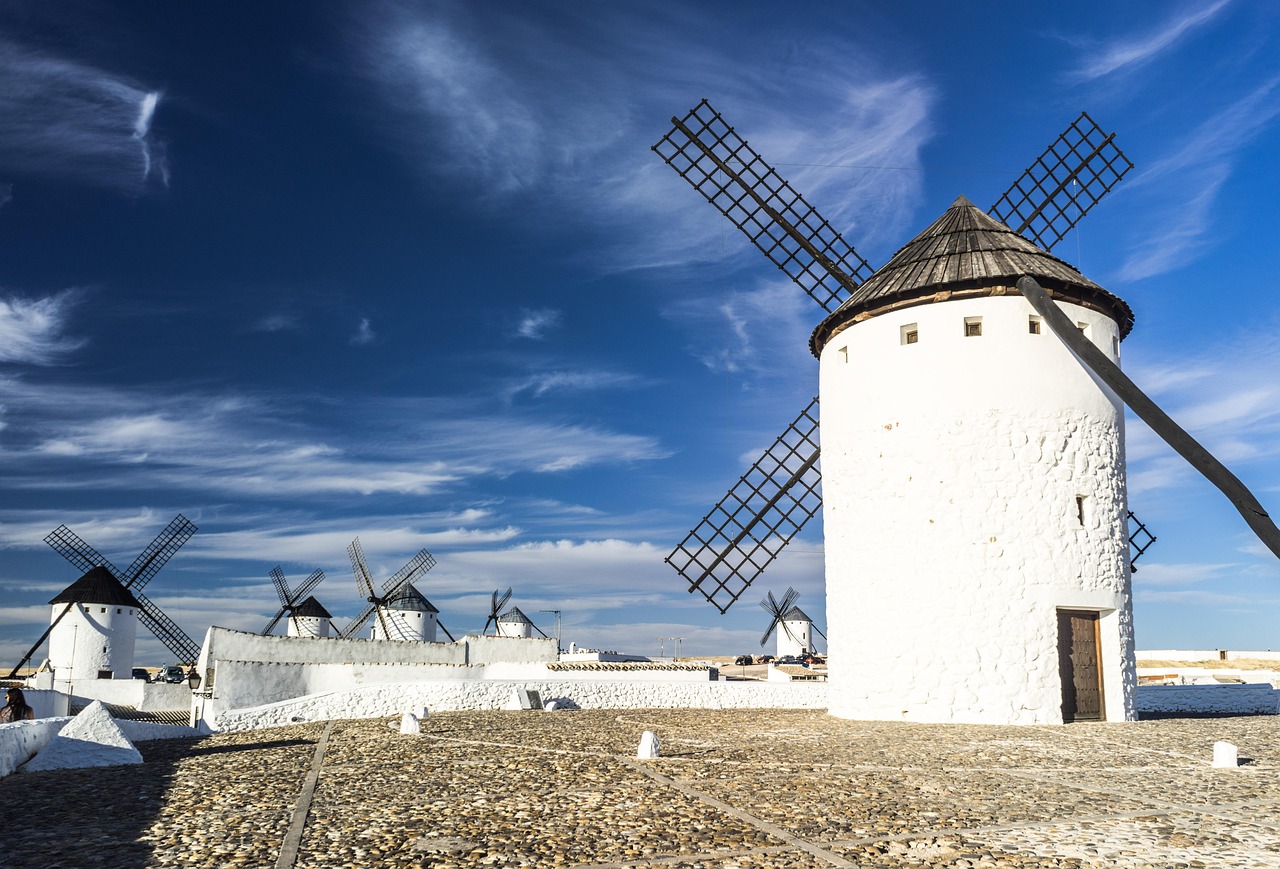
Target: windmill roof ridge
{"points": [[515, 615], [97, 585], [409, 599], [966, 249], [795, 614]]}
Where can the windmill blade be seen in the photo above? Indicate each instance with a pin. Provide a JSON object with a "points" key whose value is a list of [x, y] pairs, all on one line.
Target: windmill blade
{"points": [[358, 622], [364, 582], [1186, 446], [1063, 184], [501, 602], [271, 625], [719, 164], [69, 545], [773, 623], [789, 599], [308, 586], [166, 630], [380, 612], [764, 510], [158, 553], [281, 584], [415, 567], [441, 626], [13, 674]]}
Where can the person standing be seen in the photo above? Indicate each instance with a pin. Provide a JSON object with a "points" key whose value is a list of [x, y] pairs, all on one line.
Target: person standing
{"points": [[16, 709]]}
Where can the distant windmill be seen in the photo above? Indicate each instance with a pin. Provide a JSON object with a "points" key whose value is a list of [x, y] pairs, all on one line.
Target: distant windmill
{"points": [[67, 544], [415, 567], [290, 601], [496, 603], [788, 620]]}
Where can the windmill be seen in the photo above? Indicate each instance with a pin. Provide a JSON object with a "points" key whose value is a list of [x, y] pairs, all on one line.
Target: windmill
{"points": [[84, 557], [782, 615], [917, 439], [496, 603], [290, 600], [415, 567]]}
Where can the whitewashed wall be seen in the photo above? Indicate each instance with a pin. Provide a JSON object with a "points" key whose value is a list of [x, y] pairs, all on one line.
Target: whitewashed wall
{"points": [[376, 700], [950, 470]]}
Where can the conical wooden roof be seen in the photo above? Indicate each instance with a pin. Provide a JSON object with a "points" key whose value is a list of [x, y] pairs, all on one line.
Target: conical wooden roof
{"points": [[966, 252], [514, 616], [311, 609], [99, 586], [409, 599]]}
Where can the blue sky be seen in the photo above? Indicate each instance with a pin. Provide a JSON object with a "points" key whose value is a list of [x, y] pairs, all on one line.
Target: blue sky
{"points": [[409, 271]]}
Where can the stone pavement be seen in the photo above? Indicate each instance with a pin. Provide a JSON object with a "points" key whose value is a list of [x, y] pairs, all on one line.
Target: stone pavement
{"points": [[745, 789]]}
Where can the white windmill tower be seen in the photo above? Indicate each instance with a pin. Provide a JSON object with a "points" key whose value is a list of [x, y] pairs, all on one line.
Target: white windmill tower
{"points": [[511, 623], [307, 618], [87, 637], [795, 628], [96, 620], [410, 616], [974, 505], [401, 612]]}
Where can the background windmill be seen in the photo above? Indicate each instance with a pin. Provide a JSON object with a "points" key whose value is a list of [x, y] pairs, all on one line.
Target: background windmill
{"points": [[791, 623], [290, 600], [415, 567], [747, 529], [143, 569], [496, 603]]}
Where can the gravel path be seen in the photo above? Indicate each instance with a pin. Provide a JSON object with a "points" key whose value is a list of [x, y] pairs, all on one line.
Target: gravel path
{"points": [[733, 790]]}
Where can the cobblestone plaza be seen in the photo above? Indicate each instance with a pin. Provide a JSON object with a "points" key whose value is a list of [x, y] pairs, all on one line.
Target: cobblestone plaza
{"points": [[746, 789]]}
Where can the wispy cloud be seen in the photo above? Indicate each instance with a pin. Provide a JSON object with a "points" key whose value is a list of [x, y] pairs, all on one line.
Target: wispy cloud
{"points": [[478, 101], [535, 324], [65, 119], [545, 382], [363, 334], [277, 323], [31, 330], [250, 446], [1182, 187], [1104, 58]]}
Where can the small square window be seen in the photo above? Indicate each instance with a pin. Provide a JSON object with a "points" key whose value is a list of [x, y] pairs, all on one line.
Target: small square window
{"points": [[844, 354], [1033, 325], [1084, 327], [972, 327], [910, 334]]}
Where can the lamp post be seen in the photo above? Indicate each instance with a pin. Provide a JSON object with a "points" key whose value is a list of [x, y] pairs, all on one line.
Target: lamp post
{"points": [[557, 615]]}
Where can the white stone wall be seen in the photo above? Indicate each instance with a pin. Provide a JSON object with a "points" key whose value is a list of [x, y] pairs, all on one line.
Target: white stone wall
{"points": [[950, 472], [377, 700], [92, 637], [1209, 699]]}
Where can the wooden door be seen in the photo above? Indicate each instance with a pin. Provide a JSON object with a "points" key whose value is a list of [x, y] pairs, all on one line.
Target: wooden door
{"points": [[1080, 665]]}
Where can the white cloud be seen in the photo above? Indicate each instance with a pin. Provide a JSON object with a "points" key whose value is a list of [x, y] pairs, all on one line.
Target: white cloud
{"points": [[1131, 51], [535, 324], [1182, 187], [542, 383], [31, 329], [64, 119], [277, 323], [363, 334]]}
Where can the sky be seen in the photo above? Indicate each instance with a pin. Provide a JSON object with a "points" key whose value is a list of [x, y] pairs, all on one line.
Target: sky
{"points": [[409, 271]]}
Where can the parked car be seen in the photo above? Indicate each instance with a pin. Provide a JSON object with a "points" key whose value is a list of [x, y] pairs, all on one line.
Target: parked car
{"points": [[140, 673], [764, 659], [173, 675], [787, 659], [744, 660]]}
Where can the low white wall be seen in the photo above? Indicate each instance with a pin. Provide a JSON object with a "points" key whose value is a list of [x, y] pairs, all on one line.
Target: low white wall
{"points": [[145, 696], [22, 740], [1207, 655], [1217, 699], [378, 700]]}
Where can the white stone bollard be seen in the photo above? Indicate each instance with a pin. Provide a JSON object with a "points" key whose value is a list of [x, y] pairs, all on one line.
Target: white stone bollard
{"points": [[1225, 755], [409, 723], [648, 746]]}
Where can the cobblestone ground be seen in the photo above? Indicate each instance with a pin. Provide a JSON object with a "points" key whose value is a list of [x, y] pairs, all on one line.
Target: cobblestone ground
{"points": [[740, 789]]}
